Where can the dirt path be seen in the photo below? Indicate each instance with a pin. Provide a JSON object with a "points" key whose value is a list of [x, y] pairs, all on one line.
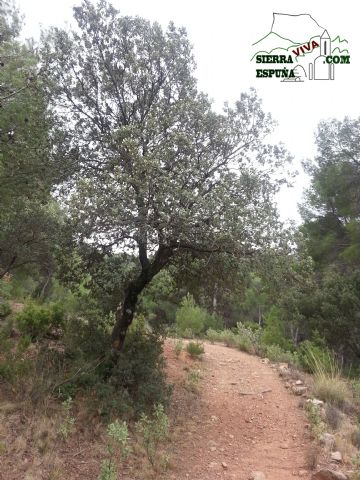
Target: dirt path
{"points": [[229, 435]]}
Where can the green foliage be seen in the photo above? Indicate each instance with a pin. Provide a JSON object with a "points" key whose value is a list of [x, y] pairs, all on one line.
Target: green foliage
{"points": [[274, 331], [154, 430], [140, 371], [37, 320], [187, 333], [195, 349], [119, 433], [68, 421], [213, 335], [192, 381], [329, 385], [318, 427], [107, 471], [5, 309], [178, 347], [156, 132], [277, 354], [312, 355], [190, 316]]}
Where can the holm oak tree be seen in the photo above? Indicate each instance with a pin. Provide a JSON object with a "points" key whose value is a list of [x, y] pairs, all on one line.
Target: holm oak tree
{"points": [[158, 171]]}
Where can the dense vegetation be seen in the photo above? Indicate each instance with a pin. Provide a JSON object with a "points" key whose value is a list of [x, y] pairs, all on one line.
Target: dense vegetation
{"points": [[131, 210]]}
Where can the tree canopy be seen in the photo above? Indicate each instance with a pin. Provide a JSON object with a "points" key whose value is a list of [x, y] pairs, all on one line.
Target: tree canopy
{"points": [[158, 170]]}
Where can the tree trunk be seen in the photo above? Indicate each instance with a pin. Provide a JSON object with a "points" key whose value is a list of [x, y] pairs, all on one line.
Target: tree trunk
{"points": [[125, 313], [214, 300]]}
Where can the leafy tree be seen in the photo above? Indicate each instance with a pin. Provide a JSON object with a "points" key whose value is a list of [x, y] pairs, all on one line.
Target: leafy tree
{"points": [[332, 228], [28, 216], [332, 208], [159, 172]]}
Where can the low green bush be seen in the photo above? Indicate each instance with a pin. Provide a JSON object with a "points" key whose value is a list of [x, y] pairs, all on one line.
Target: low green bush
{"points": [[154, 430], [187, 333], [312, 356], [37, 320], [273, 332], [192, 381], [178, 346], [140, 372], [190, 316], [213, 335], [5, 309], [195, 349], [244, 344], [228, 337], [277, 354]]}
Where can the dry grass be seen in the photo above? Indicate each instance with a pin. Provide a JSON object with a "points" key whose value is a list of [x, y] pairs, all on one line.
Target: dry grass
{"points": [[312, 457], [333, 416], [332, 389], [329, 383]]}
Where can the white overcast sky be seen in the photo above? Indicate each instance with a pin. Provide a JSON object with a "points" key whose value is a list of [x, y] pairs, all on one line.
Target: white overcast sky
{"points": [[222, 33]]}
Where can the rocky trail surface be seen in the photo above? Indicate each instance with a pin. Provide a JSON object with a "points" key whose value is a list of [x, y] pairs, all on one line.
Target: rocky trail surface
{"points": [[242, 421]]}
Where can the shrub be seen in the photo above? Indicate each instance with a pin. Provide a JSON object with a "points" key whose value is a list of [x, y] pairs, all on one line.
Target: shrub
{"points": [[317, 425], [140, 371], [213, 336], [195, 349], [190, 316], [228, 337], [68, 421], [274, 331], [118, 433], [192, 381], [312, 356], [332, 389], [107, 471], [332, 416], [154, 430], [244, 344], [36, 320], [329, 385], [250, 331], [188, 333], [5, 309], [355, 438], [213, 321], [277, 354], [178, 347]]}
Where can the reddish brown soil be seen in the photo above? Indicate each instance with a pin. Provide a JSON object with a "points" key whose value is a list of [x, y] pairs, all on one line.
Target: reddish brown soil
{"points": [[218, 433], [229, 435]]}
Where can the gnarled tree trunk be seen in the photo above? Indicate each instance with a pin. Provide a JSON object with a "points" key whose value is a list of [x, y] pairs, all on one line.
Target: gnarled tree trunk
{"points": [[125, 313]]}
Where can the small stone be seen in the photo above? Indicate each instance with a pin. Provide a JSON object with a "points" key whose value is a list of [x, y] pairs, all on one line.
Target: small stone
{"points": [[336, 457], [315, 401], [266, 361], [302, 473], [224, 465], [326, 474], [213, 449], [298, 390], [298, 382]]}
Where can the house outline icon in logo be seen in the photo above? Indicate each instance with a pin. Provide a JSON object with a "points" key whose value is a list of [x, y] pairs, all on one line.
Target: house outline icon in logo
{"points": [[320, 69]]}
